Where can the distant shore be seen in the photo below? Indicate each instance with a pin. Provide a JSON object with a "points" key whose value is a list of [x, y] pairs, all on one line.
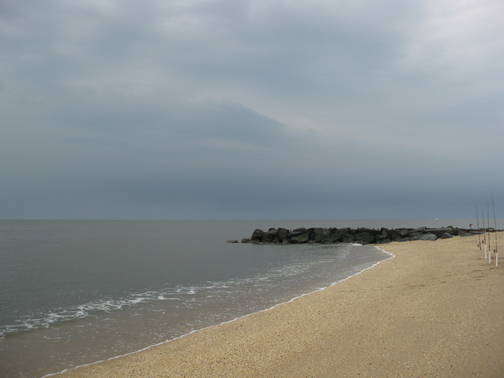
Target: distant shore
{"points": [[435, 309]]}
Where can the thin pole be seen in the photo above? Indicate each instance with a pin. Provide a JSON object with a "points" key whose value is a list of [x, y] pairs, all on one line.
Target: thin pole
{"points": [[488, 227], [495, 232], [477, 224], [484, 232]]}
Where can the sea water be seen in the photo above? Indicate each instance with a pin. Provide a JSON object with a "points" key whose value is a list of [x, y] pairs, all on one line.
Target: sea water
{"points": [[77, 292]]}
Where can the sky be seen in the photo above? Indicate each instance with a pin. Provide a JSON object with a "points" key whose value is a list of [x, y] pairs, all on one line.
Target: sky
{"points": [[251, 109]]}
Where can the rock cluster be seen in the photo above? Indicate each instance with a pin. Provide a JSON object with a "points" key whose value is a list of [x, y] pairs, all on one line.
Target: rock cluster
{"points": [[349, 235]]}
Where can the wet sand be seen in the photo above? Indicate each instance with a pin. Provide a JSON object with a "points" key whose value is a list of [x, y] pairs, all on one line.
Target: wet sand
{"points": [[434, 310]]}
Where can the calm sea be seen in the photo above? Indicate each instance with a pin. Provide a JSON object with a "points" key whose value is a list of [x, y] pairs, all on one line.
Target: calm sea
{"points": [[76, 292]]}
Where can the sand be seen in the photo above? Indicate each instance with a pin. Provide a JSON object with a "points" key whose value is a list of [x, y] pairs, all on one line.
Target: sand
{"points": [[434, 310]]}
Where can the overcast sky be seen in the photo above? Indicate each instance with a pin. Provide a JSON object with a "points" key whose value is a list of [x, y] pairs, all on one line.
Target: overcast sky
{"points": [[258, 109]]}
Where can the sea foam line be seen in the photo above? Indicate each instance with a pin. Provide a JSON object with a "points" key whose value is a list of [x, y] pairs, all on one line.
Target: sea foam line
{"points": [[391, 256]]}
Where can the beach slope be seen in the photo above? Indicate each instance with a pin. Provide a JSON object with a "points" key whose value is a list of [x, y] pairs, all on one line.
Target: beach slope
{"points": [[434, 310]]}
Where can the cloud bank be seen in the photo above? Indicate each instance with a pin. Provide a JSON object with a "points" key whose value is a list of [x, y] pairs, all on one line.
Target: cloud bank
{"points": [[217, 109]]}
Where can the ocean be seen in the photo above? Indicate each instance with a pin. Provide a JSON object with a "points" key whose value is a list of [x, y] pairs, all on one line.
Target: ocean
{"points": [[77, 292]]}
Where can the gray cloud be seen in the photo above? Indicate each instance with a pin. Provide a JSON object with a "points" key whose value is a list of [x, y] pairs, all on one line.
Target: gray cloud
{"points": [[255, 109]]}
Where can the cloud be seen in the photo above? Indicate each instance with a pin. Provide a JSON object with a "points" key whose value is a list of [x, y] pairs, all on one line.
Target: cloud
{"points": [[253, 109]]}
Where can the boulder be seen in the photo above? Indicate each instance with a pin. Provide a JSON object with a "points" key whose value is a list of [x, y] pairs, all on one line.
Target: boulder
{"points": [[319, 234], [300, 238], [364, 237], [383, 241], [404, 232], [347, 238], [257, 234], [431, 237], [463, 233], [269, 236], [383, 235], [439, 232], [415, 236], [298, 231], [403, 239], [393, 234], [282, 234], [370, 231], [333, 236]]}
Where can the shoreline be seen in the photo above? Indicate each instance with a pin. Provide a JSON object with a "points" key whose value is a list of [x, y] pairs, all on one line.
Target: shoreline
{"points": [[390, 256], [364, 324]]}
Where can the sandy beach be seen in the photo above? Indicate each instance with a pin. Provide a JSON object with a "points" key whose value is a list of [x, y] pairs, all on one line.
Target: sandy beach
{"points": [[434, 310]]}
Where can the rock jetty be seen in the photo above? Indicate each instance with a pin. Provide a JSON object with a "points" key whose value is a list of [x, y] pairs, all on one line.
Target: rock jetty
{"points": [[349, 235]]}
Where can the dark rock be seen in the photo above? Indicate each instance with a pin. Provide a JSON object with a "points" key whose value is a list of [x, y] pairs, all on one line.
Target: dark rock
{"points": [[394, 235], [384, 235], [349, 235], [347, 238], [300, 238], [450, 230], [232, 241], [403, 239], [404, 232], [463, 233], [333, 236], [430, 237], [268, 237], [257, 234], [349, 231], [439, 232], [476, 232], [383, 241], [298, 231], [364, 237], [370, 231], [282, 234], [319, 234]]}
